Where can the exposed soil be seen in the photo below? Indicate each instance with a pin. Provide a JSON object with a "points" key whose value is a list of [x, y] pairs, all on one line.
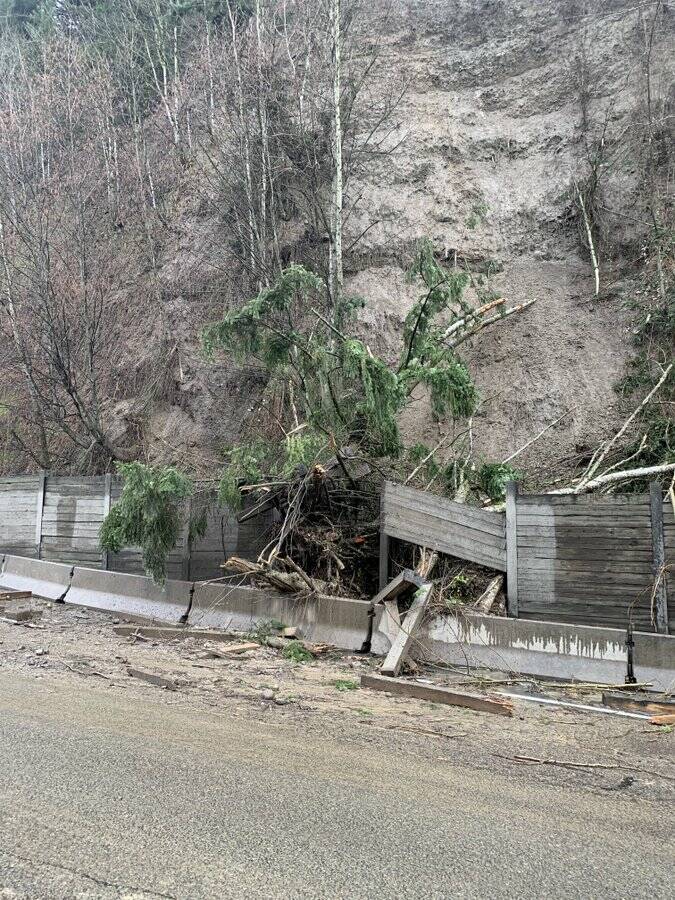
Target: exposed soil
{"points": [[488, 140]]}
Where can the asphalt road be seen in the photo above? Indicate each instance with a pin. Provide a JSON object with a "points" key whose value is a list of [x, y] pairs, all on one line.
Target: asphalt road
{"points": [[106, 795]]}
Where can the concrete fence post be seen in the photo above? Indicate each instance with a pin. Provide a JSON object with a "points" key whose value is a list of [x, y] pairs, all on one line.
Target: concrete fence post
{"points": [[512, 493], [107, 503], [659, 558], [39, 513], [384, 543], [187, 550]]}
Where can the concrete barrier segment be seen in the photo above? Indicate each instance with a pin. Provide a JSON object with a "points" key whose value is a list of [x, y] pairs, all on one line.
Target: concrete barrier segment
{"points": [[132, 596], [332, 620], [47, 580]]}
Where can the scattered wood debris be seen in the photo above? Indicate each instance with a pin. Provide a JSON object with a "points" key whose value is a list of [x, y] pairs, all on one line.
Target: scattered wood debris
{"points": [[5, 596], [22, 614], [280, 643], [151, 678], [396, 656], [173, 632], [296, 581], [586, 707], [568, 764], [486, 601], [85, 668], [413, 619], [229, 650], [668, 719], [436, 694], [404, 580], [655, 707]]}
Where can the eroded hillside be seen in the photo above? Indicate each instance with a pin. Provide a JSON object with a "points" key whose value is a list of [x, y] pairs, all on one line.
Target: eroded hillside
{"points": [[503, 108]]}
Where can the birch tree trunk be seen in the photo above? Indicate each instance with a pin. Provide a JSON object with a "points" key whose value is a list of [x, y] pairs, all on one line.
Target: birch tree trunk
{"points": [[336, 243]]}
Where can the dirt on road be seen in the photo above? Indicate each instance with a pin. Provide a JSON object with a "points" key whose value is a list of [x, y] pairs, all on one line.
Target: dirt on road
{"points": [[592, 751]]}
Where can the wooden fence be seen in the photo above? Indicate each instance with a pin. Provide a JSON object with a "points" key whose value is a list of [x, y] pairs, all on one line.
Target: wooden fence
{"points": [[58, 519], [587, 560], [478, 535], [590, 560]]}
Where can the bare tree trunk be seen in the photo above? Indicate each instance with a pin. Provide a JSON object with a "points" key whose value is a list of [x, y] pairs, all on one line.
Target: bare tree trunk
{"points": [[590, 241], [337, 286]]}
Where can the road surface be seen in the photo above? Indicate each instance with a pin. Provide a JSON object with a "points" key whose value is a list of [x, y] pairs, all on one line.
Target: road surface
{"points": [[104, 795]]}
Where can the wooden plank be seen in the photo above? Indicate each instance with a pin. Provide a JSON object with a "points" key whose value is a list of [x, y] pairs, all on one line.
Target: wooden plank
{"points": [[444, 527], [404, 580], [605, 568], [512, 491], [659, 559], [397, 653], [579, 591], [434, 532], [606, 521], [613, 618], [151, 678], [594, 511], [497, 560], [410, 498], [616, 500], [39, 511], [638, 704], [586, 501], [590, 620], [494, 529], [419, 534], [528, 551], [174, 632], [402, 687], [571, 601], [6, 596]]}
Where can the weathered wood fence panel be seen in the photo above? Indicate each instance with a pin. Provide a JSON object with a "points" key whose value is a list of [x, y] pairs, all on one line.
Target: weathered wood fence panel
{"points": [[590, 560], [19, 514], [73, 509], [58, 518], [478, 535], [585, 559]]}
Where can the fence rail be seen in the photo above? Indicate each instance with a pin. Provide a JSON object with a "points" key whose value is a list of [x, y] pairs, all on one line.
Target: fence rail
{"points": [[57, 518], [591, 560]]}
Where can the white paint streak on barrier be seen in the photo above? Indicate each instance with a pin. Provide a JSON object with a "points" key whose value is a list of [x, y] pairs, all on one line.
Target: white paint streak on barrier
{"points": [[466, 631]]}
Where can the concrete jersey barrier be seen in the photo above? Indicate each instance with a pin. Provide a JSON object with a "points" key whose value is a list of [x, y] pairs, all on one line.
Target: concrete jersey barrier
{"points": [[333, 620], [132, 596], [549, 649], [45, 579]]}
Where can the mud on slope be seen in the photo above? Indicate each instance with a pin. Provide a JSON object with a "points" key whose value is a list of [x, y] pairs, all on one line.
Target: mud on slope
{"points": [[490, 140], [493, 139]]}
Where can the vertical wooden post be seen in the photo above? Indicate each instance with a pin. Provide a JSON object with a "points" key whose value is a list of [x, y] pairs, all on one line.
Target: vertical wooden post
{"points": [[185, 568], [107, 503], [512, 492], [384, 544], [39, 513], [659, 558]]}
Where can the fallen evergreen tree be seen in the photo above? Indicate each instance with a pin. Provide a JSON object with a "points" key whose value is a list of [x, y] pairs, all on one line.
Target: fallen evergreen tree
{"points": [[327, 432]]}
